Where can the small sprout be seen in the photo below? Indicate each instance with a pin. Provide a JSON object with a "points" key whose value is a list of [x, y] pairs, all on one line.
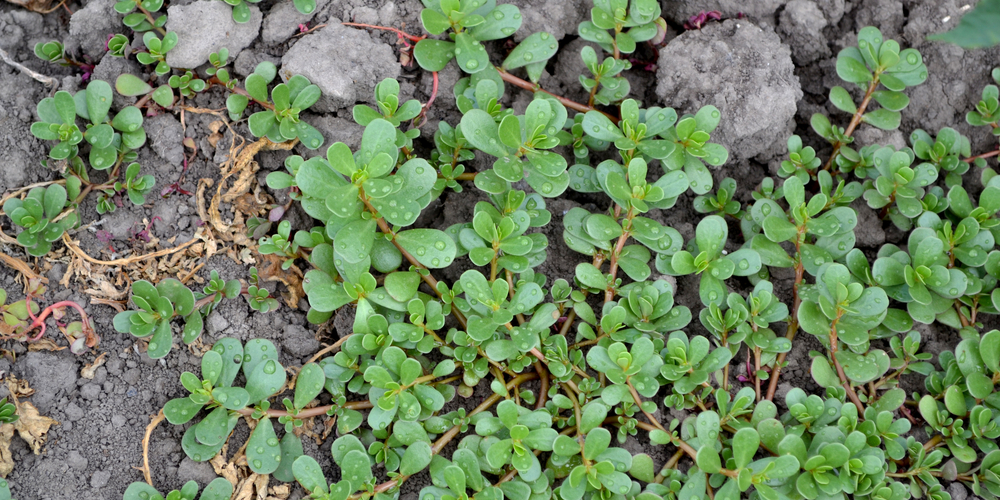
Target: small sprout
{"points": [[8, 412], [37, 214], [157, 50]]}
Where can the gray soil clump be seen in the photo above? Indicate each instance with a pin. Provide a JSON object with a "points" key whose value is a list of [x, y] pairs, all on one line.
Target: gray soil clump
{"points": [[346, 64], [206, 26], [284, 19], [679, 11], [801, 26], [743, 70], [542, 15], [89, 27]]}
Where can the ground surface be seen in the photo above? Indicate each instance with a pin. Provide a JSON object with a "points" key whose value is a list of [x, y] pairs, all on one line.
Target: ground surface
{"points": [[767, 71]]}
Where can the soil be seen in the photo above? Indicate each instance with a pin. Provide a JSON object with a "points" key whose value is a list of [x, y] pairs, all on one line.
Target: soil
{"points": [[768, 67]]}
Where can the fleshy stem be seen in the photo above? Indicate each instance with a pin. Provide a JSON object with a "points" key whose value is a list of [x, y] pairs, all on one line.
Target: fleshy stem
{"points": [[450, 434], [534, 87], [609, 293], [984, 155], [310, 412], [840, 369], [855, 121], [793, 323], [39, 321], [424, 273]]}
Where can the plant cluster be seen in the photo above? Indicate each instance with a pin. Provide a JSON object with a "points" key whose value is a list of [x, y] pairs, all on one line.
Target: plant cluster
{"points": [[157, 306], [576, 365]]}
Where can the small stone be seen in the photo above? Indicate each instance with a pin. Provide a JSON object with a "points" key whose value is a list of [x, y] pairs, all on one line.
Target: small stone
{"points": [[538, 15], [118, 420], [76, 460], [801, 26], [200, 472], [298, 341], [217, 323], [352, 64], [165, 135], [957, 491], [206, 26], [100, 479], [73, 412], [90, 391]]}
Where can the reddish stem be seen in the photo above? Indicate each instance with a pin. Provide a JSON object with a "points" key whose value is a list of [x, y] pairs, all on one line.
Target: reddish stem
{"points": [[434, 93], [401, 33], [984, 155], [39, 321]]}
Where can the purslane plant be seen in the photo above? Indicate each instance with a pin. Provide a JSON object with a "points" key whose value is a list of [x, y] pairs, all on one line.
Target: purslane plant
{"points": [[609, 343]]}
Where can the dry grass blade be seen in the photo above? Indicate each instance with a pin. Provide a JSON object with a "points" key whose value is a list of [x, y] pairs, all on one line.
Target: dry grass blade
{"points": [[72, 245], [145, 447]]}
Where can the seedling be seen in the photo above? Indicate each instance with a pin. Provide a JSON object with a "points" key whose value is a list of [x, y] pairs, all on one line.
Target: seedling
{"points": [[37, 214], [280, 121], [218, 489]]}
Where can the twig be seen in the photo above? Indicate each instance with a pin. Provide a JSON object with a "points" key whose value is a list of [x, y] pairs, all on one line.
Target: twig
{"points": [[127, 260], [47, 80], [21, 267], [145, 447], [330, 348]]}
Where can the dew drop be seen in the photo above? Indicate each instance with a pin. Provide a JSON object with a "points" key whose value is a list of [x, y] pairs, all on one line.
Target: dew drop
{"points": [[528, 56], [270, 367], [222, 398], [911, 58], [152, 346], [421, 250], [419, 170], [260, 449], [472, 64], [818, 261], [435, 261], [744, 264], [272, 442], [458, 51], [953, 291], [546, 188], [258, 464], [497, 15], [507, 31]]}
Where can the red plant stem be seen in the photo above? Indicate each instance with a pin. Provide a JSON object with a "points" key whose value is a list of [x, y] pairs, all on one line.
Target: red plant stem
{"points": [[310, 412], [793, 325], [401, 33], [534, 87], [434, 93], [855, 121], [39, 321], [984, 155]]}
